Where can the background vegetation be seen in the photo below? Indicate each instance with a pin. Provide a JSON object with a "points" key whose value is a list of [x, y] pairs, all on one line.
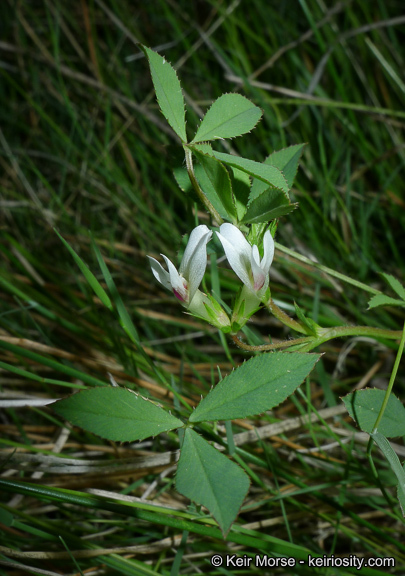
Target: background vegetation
{"points": [[84, 149]]}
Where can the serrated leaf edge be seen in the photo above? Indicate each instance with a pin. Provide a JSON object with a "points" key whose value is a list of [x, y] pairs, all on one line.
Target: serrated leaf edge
{"points": [[177, 129], [293, 205], [233, 216], [119, 388], [398, 291], [242, 169], [224, 533], [265, 409], [362, 391], [228, 137]]}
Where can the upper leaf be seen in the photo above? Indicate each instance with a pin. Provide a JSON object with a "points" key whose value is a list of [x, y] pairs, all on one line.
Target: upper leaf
{"points": [[259, 384], [219, 179], [270, 175], [308, 322], [209, 478], [229, 116], [241, 190], [285, 160], [395, 285], [116, 414], [168, 91], [270, 204], [183, 180], [383, 300], [364, 407]]}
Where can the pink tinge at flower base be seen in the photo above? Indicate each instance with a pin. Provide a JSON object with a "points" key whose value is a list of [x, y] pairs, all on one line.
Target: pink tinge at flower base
{"points": [[185, 282], [244, 259]]}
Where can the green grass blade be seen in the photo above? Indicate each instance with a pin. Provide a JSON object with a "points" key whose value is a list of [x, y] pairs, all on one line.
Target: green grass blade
{"points": [[91, 279]]}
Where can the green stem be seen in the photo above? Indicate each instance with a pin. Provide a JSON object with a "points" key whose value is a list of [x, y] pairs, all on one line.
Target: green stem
{"points": [[266, 347], [284, 318], [391, 382], [325, 334], [197, 188]]}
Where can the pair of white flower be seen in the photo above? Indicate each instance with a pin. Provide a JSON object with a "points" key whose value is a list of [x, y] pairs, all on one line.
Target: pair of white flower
{"points": [[242, 257]]}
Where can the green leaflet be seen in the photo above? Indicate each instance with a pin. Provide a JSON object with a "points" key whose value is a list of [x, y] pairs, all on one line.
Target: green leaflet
{"points": [[241, 190], [308, 322], [115, 414], [383, 300], [287, 161], [364, 407], [183, 181], [220, 181], [209, 478], [168, 91], [229, 116], [395, 285], [270, 204], [270, 175], [259, 384]]}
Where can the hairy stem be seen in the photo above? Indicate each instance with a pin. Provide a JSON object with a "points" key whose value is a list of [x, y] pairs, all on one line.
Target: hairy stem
{"points": [[284, 318], [331, 333], [265, 347], [197, 188], [327, 334]]}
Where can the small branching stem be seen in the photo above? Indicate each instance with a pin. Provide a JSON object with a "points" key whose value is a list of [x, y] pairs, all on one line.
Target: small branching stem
{"points": [[284, 318], [266, 347], [311, 342], [197, 187], [326, 334]]}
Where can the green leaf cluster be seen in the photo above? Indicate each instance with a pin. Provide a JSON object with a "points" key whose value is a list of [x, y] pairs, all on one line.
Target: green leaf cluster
{"points": [[122, 415], [240, 190]]}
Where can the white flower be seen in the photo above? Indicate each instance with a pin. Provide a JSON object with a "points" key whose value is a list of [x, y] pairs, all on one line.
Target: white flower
{"points": [[245, 259], [185, 282]]}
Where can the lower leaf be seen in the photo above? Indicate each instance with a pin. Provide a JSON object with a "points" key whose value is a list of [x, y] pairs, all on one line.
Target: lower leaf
{"points": [[116, 414], [209, 478]]}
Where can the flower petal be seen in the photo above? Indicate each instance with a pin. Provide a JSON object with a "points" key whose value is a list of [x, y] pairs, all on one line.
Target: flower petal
{"points": [[268, 252], [160, 273], [194, 260], [235, 237], [259, 276], [178, 284], [237, 250], [199, 233]]}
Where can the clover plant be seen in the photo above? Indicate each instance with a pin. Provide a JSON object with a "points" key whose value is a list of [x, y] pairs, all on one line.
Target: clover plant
{"points": [[244, 198]]}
